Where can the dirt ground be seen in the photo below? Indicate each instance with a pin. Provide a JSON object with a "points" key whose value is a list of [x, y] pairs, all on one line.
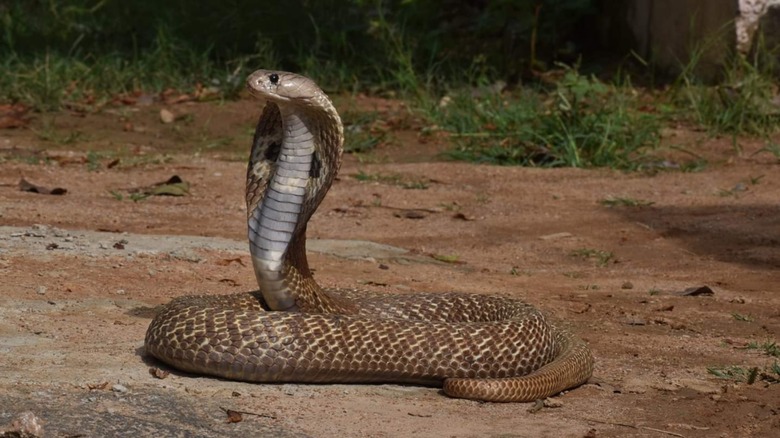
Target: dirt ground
{"points": [[81, 275]]}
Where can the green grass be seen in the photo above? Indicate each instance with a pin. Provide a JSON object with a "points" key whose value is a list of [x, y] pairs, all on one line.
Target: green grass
{"points": [[363, 131], [603, 258], [771, 148], [93, 161], [391, 179], [53, 81], [744, 103], [49, 132], [581, 122], [770, 348], [625, 202], [54, 53], [85, 55], [742, 318], [769, 374]]}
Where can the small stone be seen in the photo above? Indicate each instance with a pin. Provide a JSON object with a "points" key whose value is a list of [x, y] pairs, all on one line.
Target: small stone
{"points": [[120, 292], [627, 285], [40, 290], [119, 388], [166, 116], [556, 236], [25, 424], [635, 320]]}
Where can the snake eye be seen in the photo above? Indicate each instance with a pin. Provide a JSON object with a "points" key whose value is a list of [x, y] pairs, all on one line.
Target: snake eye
{"points": [[274, 78]]}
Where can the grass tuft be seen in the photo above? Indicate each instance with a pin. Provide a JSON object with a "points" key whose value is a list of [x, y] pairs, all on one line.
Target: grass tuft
{"points": [[625, 202], [751, 375], [744, 103], [581, 122], [603, 258], [742, 318], [391, 179], [363, 131], [770, 348]]}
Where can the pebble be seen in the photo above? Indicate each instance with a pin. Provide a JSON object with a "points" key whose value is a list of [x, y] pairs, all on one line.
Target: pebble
{"points": [[26, 424], [552, 403], [40, 290], [119, 388]]}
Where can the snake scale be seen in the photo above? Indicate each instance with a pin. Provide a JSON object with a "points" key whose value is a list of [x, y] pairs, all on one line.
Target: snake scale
{"points": [[292, 330]]}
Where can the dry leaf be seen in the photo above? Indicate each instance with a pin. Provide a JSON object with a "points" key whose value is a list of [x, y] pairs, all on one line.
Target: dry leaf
{"points": [[704, 291], [99, 386], [225, 262], [178, 99], [13, 116], [233, 416], [229, 281], [27, 186], [464, 217], [174, 186], [410, 214]]}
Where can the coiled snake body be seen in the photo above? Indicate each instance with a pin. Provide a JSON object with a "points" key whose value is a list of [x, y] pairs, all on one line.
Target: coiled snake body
{"points": [[292, 330]]}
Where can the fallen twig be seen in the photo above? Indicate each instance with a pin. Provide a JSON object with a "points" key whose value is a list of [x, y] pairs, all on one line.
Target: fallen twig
{"points": [[227, 411]]}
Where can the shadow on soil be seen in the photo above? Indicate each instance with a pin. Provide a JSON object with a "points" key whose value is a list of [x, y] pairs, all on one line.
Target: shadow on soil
{"points": [[743, 234], [142, 412]]}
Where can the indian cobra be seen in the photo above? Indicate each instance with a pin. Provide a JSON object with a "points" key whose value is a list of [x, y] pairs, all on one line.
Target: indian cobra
{"points": [[292, 330]]}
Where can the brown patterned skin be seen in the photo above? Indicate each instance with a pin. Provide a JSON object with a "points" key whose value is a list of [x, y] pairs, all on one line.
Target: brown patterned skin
{"points": [[478, 347]]}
